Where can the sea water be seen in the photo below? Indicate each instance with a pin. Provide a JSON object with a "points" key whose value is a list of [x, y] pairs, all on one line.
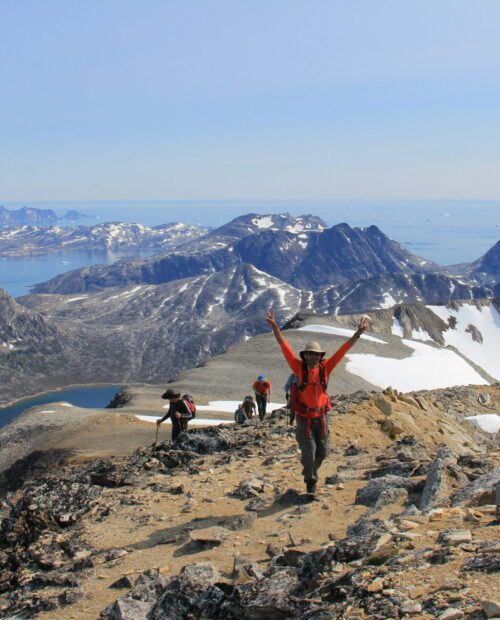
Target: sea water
{"points": [[446, 232]]}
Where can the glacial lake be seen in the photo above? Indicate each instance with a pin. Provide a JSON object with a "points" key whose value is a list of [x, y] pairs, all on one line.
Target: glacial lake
{"points": [[88, 397]]}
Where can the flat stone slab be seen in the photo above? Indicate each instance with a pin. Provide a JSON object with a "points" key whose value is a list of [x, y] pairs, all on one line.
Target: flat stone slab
{"points": [[452, 538], [210, 536]]}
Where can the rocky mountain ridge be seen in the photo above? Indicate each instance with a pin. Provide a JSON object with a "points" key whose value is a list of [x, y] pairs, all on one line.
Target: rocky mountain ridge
{"points": [[150, 333], [404, 525], [33, 216], [28, 240], [308, 260]]}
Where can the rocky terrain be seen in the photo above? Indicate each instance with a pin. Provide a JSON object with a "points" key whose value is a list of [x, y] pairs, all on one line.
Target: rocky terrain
{"points": [[304, 258], [145, 320], [405, 524], [151, 333], [33, 217], [304, 253], [28, 240]]}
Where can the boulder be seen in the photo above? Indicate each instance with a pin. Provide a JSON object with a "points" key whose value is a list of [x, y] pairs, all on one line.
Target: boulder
{"points": [[249, 488], [384, 405], [480, 491], [437, 488], [209, 537], [454, 537], [383, 491]]}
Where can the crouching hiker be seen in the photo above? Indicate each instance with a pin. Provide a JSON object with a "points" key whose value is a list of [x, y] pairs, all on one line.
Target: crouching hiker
{"points": [[249, 406], [240, 415], [180, 412], [309, 398]]}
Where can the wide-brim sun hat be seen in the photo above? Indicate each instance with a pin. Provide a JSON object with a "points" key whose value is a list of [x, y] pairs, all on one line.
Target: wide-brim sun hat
{"points": [[313, 347], [171, 394]]}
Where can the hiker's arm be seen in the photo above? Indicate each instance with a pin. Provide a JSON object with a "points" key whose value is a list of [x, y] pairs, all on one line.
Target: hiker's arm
{"points": [[166, 416], [288, 353], [332, 361]]}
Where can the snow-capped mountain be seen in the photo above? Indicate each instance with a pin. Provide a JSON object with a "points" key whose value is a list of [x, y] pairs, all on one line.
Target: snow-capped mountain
{"points": [[22, 240], [146, 319], [486, 270], [151, 332], [305, 259]]}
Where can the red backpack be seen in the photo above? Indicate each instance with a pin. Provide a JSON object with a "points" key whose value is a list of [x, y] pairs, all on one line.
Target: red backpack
{"points": [[299, 407], [189, 402]]}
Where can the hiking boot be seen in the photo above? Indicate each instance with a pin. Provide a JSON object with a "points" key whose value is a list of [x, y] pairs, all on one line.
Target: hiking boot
{"points": [[311, 487]]}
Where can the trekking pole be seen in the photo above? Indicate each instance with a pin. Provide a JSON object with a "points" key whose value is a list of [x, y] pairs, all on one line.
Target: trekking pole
{"points": [[156, 438]]}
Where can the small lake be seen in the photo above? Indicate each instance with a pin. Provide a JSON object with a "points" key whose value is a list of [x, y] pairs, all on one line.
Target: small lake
{"points": [[87, 397]]}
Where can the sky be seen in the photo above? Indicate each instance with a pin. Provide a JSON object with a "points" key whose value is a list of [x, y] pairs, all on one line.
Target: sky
{"points": [[274, 99]]}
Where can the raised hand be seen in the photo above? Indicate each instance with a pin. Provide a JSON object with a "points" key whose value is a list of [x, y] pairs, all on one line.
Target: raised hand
{"points": [[270, 317], [363, 323]]}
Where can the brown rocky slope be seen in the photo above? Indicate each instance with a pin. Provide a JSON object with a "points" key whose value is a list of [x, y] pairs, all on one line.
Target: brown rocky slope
{"points": [[216, 526]]}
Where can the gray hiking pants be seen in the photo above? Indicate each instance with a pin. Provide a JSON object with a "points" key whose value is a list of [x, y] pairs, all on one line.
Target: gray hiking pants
{"points": [[314, 448]]}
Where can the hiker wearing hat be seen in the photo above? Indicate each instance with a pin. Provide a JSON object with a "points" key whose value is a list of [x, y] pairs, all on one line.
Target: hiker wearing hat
{"points": [[178, 412], [262, 389], [309, 397]]}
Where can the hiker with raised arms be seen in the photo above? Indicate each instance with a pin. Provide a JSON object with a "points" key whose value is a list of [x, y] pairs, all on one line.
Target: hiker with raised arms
{"points": [[309, 397]]}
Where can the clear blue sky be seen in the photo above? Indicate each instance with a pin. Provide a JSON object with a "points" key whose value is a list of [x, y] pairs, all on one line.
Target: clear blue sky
{"points": [[333, 99]]}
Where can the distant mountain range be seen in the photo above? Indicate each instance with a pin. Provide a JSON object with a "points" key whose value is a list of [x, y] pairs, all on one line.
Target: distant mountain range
{"points": [[29, 240], [147, 319], [361, 264], [34, 216]]}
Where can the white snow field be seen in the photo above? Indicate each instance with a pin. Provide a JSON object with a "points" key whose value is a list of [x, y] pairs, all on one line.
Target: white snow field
{"points": [[337, 331], [229, 406], [195, 422], [489, 422], [218, 406], [487, 320], [427, 368]]}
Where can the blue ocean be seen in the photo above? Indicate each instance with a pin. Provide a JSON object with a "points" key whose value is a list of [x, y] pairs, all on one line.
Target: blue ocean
{"points": [[446, 232]]}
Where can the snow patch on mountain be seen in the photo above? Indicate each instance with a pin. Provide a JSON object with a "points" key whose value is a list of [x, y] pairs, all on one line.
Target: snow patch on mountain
{"points": [[389, 301], [263, 222], [420, 334], [427, 368], [474, 331], [397, 328], [229, 406], [488, 422], [337, 331]]}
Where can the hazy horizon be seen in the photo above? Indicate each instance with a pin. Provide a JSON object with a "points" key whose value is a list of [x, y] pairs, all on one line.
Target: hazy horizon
{"points": [[282, 98]]}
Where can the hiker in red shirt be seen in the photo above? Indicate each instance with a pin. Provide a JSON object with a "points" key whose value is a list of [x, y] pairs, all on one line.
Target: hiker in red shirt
{"points": [[262, 389], [310, 399]]}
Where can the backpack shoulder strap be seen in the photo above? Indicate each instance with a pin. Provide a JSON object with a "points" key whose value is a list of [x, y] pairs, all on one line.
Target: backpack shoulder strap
{"points": [[322, 375], [305, 376]]}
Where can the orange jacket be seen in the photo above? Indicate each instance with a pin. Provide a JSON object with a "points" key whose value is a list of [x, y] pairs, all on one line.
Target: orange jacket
{"points": [[313, 395], [262, 387]]}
